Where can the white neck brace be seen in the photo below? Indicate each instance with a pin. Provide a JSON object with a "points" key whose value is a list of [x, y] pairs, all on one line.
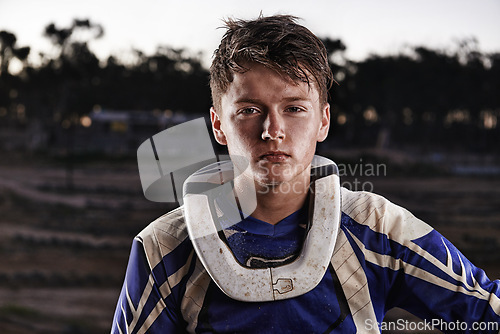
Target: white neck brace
{"points": [[267, 284]]}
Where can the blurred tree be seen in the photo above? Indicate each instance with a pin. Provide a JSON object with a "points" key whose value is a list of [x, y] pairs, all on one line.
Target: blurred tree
{"points": [[8, 51], [493, 86], [419, 97], [65, 38], [74, 67], [340, 92], [71, 75], [425, 96], [168, 79], [11, 111]]}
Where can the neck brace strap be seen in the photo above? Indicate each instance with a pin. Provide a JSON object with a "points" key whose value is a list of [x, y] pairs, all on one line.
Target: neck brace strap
{"points": [[263, 284]]}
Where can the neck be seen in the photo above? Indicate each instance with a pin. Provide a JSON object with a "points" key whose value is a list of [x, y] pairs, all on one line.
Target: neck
{"points": [[278, 201]]}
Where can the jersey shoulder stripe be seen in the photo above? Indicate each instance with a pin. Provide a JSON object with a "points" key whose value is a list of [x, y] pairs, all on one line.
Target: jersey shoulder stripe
{"points": [[383, 216], [168, 248], [391, 241]]}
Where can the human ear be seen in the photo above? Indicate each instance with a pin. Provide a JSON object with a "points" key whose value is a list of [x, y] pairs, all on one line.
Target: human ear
{"points": [[325, 123], [219, 135]]}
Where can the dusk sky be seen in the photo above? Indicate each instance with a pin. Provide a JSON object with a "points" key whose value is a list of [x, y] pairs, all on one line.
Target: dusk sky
{"points": [[365, 26]]}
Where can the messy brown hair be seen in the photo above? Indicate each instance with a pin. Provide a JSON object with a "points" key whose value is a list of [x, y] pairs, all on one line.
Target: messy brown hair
{"points": [[276, 42]]}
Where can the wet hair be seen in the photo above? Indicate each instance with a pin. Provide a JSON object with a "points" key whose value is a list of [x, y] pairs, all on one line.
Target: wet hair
{"points": [[276, 42]]}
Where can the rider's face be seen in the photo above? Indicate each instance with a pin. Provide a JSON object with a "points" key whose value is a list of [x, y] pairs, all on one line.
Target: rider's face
{"points": [[273, 122]]}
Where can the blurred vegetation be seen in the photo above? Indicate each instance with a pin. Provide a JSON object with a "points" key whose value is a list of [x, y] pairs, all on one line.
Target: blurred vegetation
{"points": [[422, 98]]}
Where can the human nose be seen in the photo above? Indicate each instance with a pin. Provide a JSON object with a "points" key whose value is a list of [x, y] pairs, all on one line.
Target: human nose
{"points": [[273, 127]]}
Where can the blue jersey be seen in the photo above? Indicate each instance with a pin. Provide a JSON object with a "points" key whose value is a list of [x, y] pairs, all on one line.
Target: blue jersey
{"points": [[384, 257]]}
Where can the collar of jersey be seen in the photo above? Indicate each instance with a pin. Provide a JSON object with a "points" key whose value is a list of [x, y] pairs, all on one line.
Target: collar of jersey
{"points": [[283, 227]]}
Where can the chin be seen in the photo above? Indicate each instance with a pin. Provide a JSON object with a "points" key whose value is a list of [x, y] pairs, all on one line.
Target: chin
{"points": [[274, 181], [270, 182]]}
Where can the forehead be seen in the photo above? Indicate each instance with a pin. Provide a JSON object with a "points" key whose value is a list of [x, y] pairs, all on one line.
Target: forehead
{"points": [[264, 83]]}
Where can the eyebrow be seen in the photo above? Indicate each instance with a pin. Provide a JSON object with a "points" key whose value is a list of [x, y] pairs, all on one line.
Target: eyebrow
{"points": [[296, 98], [248, 100], [286, 99]]}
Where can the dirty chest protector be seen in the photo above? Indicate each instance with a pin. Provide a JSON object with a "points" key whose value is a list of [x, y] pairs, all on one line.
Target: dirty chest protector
{"points": [[206, 187]]}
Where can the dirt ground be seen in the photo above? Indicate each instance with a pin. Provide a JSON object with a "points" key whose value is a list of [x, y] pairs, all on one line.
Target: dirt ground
{"points": [[65, 236]]}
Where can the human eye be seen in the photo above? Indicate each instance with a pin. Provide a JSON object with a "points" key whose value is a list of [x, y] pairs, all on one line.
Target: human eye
{"points": [[295, 109], [248, 111]]}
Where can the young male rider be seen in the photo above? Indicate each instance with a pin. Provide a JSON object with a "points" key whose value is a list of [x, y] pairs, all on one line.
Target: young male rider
{"points": [[269, 81]]}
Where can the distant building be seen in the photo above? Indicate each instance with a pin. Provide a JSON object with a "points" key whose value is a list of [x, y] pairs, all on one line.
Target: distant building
{"points": [[115, 132]]}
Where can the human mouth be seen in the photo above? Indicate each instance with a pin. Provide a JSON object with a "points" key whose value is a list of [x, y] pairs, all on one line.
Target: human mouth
{"points": [[275, 156]]}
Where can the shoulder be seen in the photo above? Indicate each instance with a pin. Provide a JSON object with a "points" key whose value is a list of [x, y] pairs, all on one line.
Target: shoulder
{"points": [[381, 215], [164, 235], [168, 229]]}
